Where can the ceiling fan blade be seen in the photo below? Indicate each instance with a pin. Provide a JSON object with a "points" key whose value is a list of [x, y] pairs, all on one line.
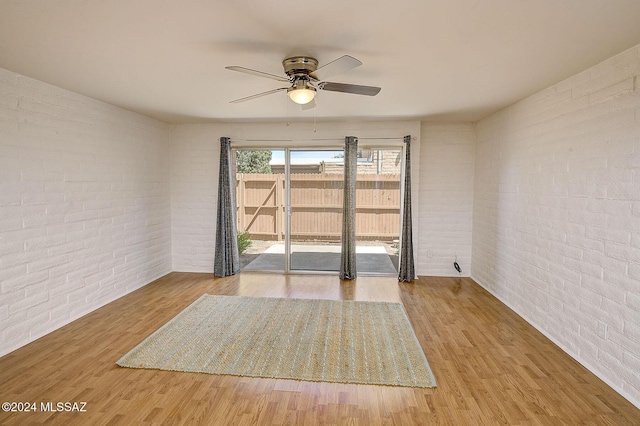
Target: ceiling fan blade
{"points": [[338, 66], [349, 88], [259, 95], [309, 105], [258, 73]]}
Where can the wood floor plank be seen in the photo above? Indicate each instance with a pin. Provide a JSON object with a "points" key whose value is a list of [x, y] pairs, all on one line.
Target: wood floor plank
{"points": [[491, 366]]}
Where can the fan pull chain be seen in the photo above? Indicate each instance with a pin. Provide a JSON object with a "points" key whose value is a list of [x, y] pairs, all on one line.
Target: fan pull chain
{"points": [[286, 108]]}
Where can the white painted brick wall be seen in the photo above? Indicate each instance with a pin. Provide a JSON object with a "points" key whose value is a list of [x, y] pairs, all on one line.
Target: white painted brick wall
{"points": [[195, 157], [556, 220], [446, 198], [84, 206]]}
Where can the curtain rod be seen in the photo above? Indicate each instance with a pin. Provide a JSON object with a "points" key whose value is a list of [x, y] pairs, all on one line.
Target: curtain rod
{"points": [[317, 140], [261, 140]]}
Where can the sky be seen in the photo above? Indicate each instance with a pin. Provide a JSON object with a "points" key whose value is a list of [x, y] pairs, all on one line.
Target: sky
{"points": [[318, 155]]}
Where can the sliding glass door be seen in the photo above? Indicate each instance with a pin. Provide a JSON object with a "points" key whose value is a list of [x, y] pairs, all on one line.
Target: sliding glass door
{"points": [[260, 197], [378, 199], [315, 205], [289, 205]]}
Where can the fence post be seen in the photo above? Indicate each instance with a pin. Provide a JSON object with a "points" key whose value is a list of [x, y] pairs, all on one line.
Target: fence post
{"points": [[279, 206], [241, 200]]}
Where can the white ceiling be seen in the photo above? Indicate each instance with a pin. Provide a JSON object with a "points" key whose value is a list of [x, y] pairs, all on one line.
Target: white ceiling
{"points": [[434, 59]]}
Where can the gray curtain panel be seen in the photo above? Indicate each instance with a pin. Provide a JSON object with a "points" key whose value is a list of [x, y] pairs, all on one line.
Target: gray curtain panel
{"points": [[348, 255], [227, 259], [407, 270]]}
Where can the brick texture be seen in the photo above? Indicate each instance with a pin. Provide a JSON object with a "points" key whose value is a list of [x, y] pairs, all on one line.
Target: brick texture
{"points": [[195, 157], [555, 218], [84, 206], [446, 198]]}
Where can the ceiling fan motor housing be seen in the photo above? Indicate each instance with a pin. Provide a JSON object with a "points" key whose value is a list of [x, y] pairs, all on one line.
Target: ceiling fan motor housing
{"points": [[298, 66]]}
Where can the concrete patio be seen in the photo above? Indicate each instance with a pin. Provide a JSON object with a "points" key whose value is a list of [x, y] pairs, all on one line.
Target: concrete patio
{"points": [[369, 259]]}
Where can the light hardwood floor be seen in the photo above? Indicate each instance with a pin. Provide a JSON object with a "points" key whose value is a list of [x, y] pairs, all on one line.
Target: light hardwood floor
{"points": [[491, 366]]}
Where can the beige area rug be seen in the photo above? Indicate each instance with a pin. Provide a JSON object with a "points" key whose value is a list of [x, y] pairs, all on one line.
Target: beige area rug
{"points": [[301, 339]]}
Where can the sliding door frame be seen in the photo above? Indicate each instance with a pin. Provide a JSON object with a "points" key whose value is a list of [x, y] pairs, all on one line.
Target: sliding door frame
{"points": [[402, 150], [287, 180], [287, 188]]}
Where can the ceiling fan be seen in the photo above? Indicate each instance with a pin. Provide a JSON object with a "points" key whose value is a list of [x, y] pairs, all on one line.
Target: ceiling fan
{"points": [[305, 79]]}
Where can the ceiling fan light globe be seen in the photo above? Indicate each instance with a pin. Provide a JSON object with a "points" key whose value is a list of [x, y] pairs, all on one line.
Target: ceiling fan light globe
{"points": [[301, 96]]}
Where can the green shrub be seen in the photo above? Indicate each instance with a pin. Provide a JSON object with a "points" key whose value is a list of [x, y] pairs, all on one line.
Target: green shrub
{"points": [[244, 241]]}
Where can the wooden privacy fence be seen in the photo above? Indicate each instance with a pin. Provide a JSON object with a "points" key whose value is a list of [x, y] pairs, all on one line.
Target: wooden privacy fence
{"points": [[316, 206]]}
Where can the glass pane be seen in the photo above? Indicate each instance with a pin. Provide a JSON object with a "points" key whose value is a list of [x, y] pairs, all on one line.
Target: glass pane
{"points": [[378, 210], [316, 182], [260, 200]]}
